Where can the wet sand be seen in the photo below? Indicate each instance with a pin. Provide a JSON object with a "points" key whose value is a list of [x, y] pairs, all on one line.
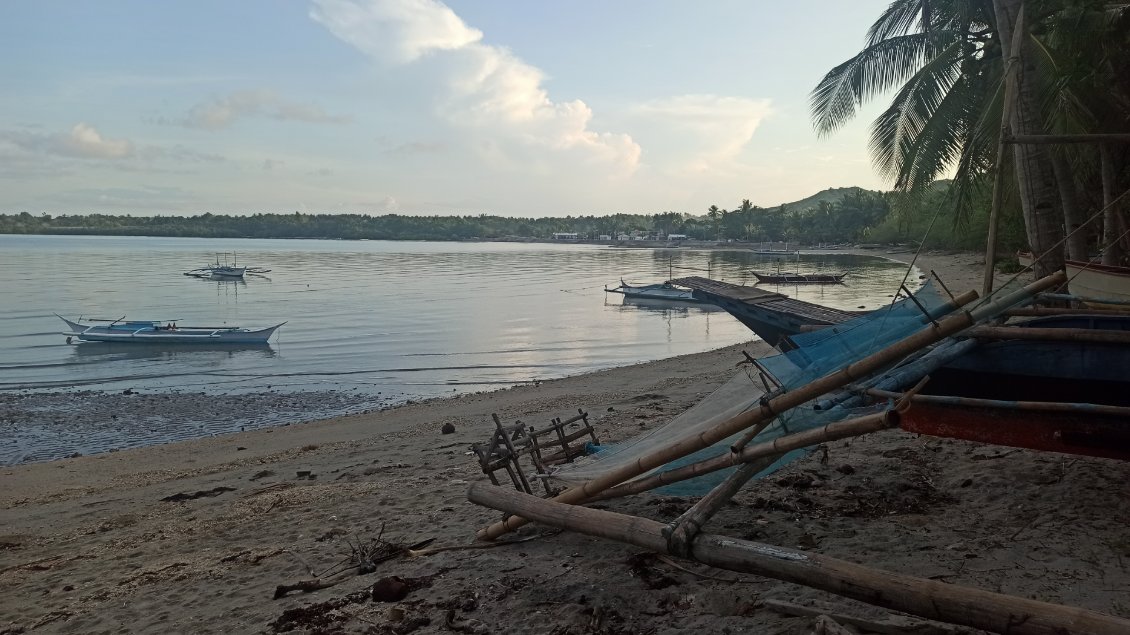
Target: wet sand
{"points": [[195, 536]]}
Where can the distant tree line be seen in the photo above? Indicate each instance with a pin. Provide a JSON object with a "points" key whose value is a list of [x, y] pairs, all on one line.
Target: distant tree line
{"points": [[849, 215]]}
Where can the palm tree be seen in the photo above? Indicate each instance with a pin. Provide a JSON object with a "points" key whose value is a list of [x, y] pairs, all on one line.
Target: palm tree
{"points": [[945, 59], [715, 216]]}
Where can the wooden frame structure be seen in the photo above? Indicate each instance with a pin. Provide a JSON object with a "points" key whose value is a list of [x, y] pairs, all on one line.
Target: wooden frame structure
{"points": [[545, 447]]}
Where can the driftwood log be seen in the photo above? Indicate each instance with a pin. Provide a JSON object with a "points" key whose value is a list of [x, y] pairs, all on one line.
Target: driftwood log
{"points": [[930, 599]]}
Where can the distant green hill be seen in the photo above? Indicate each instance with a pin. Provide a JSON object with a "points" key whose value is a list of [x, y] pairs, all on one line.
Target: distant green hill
{"points": [[830, 195]]}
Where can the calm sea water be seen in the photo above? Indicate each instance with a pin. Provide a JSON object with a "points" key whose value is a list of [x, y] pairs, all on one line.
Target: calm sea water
{"points": [[410, 318], [405, 320]]}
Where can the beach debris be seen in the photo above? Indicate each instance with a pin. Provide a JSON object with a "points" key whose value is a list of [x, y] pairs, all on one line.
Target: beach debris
{"points": [[363, 559], [181, 496], [890, 624], [461, 625], [318, 616], [304, 474], [261, 474], [642, 566], [390, 589], [824, 625], [448, 428]]}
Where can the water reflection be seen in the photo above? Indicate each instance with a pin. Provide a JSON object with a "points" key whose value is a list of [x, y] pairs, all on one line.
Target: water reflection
{"points": [[86, 352], [663, 306]]}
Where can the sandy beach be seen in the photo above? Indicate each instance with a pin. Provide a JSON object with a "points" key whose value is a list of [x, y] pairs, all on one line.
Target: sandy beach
{"points": [[196, 536]]}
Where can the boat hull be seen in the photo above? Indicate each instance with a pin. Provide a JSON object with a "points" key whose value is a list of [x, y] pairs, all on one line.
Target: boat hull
{"points": [[800, 278], [1078, 432], [152, 333], [655, 292], [1059, 396], [1101, 286]]}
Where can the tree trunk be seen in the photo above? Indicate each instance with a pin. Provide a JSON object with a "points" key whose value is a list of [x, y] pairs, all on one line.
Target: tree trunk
{"points": [[1112, 221], [1073, 216], [1043, 216]]}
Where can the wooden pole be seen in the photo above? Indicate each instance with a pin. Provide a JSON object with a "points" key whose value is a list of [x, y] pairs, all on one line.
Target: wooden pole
{"points": [[762, 454], [975, 402], [770, 409], [930, 599], [1049, 334], [998, 178], [681, 533], [1044, 310]]}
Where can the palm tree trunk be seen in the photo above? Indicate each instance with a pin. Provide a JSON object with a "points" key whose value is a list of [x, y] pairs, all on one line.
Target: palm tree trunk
{"points": [[1072, 215], [1043, 217], [1112, 222]]}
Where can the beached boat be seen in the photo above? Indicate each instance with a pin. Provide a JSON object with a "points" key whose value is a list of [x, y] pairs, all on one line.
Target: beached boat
{"points": [[1029, 387], [158, 332], [800, 278], [660, 291], [1098, 285], [1093, 283]]}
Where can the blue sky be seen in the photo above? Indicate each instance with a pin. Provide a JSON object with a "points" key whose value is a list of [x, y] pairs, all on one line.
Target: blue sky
{"points": [[507, 107]]}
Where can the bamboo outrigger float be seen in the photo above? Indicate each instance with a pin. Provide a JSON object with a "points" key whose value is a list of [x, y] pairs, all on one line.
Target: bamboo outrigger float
{"points": [[682, 537]]}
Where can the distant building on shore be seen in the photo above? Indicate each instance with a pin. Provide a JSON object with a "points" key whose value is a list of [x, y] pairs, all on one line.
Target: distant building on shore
{"points": [[565, 236]]}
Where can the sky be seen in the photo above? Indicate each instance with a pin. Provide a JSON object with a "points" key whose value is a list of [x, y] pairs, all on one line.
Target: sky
{"points": [[421, 107]]}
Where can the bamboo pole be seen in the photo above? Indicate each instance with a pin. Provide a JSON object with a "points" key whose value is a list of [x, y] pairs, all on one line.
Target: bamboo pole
{"points": [[681, 533], [998, 179], [1082, 298], [771, 408], [1039, 406], [762, 454], [930, 599], [1049, 334], [1043, 310]]}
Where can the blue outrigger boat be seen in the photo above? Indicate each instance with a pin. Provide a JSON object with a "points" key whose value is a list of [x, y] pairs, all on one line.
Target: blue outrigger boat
{"points": [[157, 332]]}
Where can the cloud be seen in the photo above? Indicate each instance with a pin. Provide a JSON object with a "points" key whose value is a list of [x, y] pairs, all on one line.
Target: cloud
{"points": [[395, 31], [716, 128], [82, 142], [221, 112], [485, 91]]}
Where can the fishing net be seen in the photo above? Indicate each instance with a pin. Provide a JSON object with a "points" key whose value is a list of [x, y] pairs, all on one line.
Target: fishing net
{"points": [[817, 353]]}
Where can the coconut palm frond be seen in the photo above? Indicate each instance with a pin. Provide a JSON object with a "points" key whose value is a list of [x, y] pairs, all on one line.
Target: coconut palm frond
{"points": [[873, 71], [894, 133], [900, 18]]}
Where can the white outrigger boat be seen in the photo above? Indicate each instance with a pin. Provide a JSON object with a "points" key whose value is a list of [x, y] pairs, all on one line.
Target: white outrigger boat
{"points": [[659, 291], [224, 270], [150, 332]]}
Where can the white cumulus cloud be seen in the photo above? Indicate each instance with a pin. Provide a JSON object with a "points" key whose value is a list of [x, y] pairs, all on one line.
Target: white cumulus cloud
{"points": [[716, 128], [395, 31], [486, 91]]}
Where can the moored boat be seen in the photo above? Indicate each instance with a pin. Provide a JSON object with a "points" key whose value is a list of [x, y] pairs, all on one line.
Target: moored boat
{"points": [[659, 291], [225, 269], [800, 278], [159, 332]]}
